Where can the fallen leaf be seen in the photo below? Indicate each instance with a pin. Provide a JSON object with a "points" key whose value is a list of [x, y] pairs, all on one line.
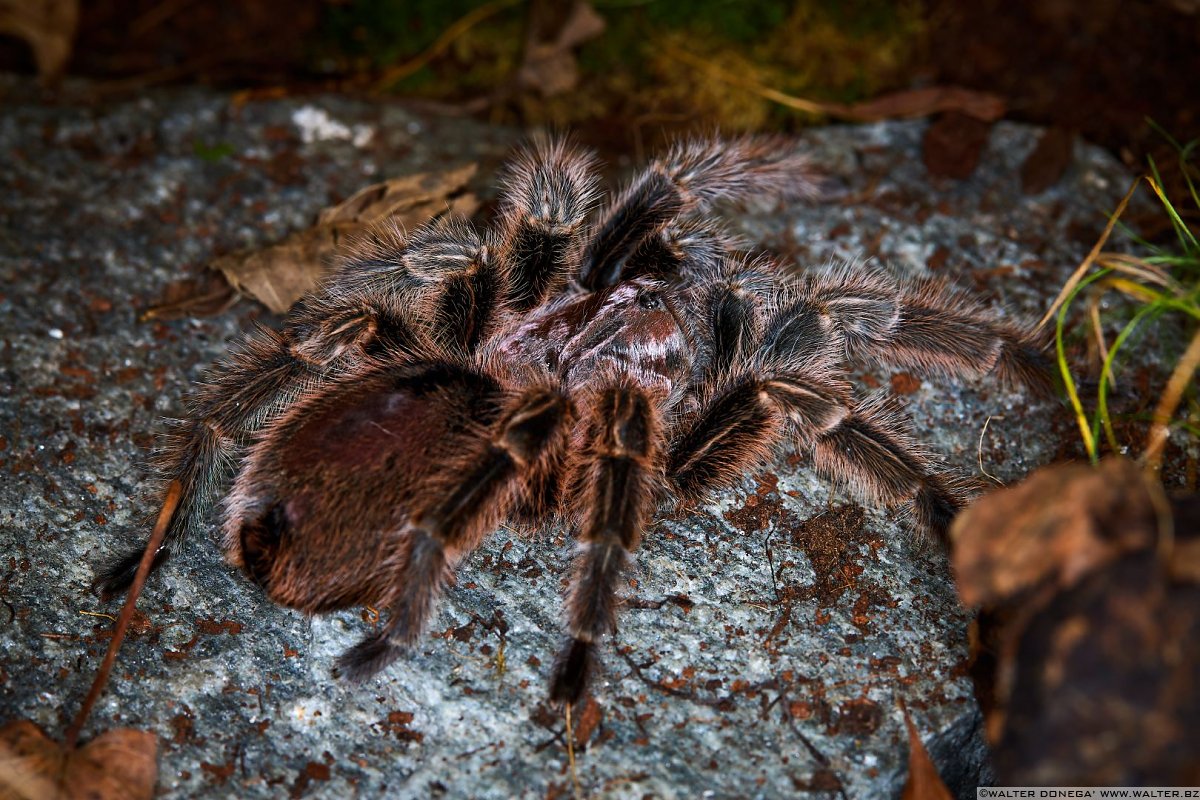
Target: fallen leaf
{"points": [[282, 273], [923, 782], [48, 26], [549, 65], [1057, 526], [192, 297], [982, 106], [589, 718], [118, 764], [1087, 642], [1049, 160], [953, 144]]}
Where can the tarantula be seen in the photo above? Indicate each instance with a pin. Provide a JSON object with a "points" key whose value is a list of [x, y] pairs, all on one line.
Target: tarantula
{"points": [[557, 370]]}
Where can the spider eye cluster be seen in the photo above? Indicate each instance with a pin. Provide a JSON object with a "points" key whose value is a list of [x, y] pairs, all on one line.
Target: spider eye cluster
{"points": [[649, 300]]}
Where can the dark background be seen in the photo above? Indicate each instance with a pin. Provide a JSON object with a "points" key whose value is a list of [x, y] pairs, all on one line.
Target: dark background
{"points": [[1100, 68]]}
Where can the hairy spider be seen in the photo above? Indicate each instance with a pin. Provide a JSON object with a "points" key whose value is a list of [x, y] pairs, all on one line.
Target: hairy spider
{"points": [[557, 370]]}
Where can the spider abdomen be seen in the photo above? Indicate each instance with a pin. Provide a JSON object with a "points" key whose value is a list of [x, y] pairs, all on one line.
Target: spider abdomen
{"points": [[330, 488]]}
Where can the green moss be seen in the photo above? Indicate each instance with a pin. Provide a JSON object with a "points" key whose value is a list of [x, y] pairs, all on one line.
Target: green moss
{"points": [[819, 49]]}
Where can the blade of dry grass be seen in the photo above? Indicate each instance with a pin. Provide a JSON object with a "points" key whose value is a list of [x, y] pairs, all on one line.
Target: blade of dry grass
{"points": [[1171, 397], [1069, 287]]}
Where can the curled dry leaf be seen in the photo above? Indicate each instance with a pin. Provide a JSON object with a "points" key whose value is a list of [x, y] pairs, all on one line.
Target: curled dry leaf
{"points": [[1059, 525], [281, 274], [953, 145], [117, 765], [202, 296], [1087, 647], [49, 28], [923, 781], [911, 103], [1045, 166]]}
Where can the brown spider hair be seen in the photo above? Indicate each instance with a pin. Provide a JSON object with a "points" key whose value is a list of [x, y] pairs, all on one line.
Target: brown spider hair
{"points": [[561, 368]]}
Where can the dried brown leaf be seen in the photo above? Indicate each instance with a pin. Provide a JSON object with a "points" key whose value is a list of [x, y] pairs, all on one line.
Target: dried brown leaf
{"points": [[923, 782], [281, 274], [1049, 160], [589, 718], [117, 765], [930, 100], [48, 26], [953, 145], [192, 297], [120, 764], [549, 65], [1057, 526]]}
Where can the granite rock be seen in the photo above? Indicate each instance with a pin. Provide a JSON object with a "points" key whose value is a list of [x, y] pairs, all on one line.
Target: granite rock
{"points": [[770, 636]]}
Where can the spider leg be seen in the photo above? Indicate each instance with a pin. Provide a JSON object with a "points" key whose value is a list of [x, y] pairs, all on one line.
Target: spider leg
{"points": [[238, 395], [444, 282], [469, 498], [548, 191], [794, 388], [925, 325], [867, 446], [613, 495], [693, 248], [874, 453], [692, 176]]}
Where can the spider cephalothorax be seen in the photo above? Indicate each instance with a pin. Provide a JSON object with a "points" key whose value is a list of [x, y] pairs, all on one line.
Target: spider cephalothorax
{"points": [[557, 370]]}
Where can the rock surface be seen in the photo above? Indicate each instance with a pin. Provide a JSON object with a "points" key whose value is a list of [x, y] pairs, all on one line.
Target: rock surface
{"points": [[771, 636]]}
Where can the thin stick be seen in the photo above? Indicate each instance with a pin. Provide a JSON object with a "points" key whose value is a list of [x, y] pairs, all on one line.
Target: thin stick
{"points": [[1171, 396], [571, 756], [160, 530], [1082, 269], [979, 451], [393, 74]]}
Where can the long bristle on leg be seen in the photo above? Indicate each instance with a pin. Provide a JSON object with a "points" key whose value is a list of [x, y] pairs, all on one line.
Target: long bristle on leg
{"points": [[234, 400], [929, 326]]}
